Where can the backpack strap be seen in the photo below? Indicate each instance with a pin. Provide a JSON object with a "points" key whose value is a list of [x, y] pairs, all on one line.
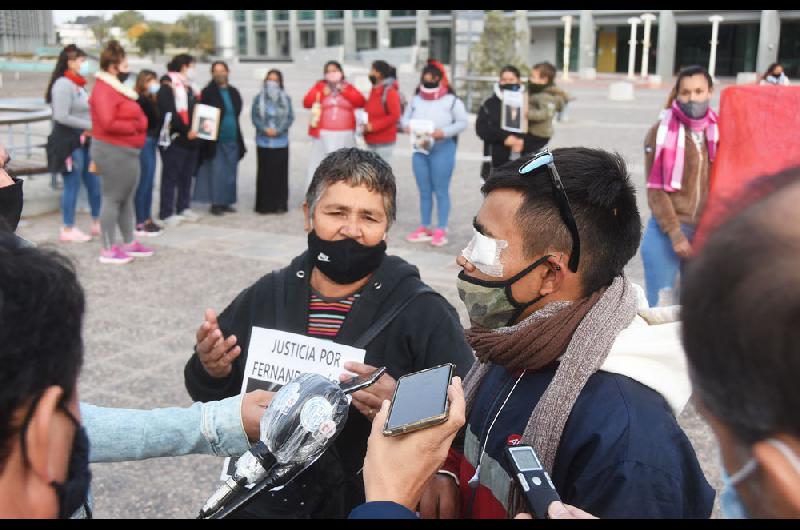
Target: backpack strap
{"points": [[379, 325]]}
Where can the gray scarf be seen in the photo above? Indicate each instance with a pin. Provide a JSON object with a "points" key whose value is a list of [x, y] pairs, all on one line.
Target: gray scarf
{"points": [[587, 350], [281, 103]]}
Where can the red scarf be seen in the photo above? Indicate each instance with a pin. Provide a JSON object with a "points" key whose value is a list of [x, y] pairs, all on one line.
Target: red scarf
{"points": [[75, 78]]}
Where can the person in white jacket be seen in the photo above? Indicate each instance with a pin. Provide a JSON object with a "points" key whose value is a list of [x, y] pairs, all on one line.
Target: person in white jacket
{"points": [[434, 117]]}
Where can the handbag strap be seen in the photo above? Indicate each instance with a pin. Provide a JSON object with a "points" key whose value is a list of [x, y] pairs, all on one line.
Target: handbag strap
{"points": [[379, 325]]}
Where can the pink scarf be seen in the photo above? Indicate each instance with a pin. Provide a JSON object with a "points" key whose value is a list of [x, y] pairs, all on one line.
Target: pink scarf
{"points": [[179, 89], [667, 171], [433, 93]]}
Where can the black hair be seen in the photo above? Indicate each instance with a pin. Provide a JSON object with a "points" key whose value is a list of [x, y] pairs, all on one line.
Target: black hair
{"points": [[179, 61], [603, 202], [165, 79], [385, 69], [689, 71], [69, 53], [337, 64], [547, 69], [771, 69], [41, 310], [510, 68], [434, 71], [740, 307], [276, 72], [221, 63]]}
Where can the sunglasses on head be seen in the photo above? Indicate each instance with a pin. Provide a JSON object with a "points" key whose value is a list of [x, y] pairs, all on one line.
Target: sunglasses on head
{"points": [[545, 158]]}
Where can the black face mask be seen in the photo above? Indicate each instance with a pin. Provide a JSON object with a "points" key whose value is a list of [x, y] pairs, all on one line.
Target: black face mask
{"points": [[534, 88], [430, 84], [344, 261], [373, 79], [10, 206], [74, 492], [510, 86], [123, 76]]}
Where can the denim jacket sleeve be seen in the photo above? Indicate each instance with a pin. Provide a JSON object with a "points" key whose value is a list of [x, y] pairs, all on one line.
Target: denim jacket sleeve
{"points": [[213, 428], [283, 128]]}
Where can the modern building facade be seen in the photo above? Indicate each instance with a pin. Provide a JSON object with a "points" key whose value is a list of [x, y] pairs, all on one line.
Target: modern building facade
{"points": [[79, 34], [748, 40], [23, 31]]}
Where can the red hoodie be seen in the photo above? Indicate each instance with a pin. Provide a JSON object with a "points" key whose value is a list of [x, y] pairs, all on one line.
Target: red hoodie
{"points": [[117, 119], [384, 125], [338, 112]]}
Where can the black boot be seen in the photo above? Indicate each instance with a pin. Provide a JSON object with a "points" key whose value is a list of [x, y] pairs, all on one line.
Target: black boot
{"points": [[217, 210]]}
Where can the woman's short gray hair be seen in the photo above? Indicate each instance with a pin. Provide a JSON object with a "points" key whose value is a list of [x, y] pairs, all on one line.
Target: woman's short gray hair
{"points": [[356, 167]]}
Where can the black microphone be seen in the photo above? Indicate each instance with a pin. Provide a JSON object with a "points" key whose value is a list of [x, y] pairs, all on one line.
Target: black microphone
{"points": [[300, 423]]}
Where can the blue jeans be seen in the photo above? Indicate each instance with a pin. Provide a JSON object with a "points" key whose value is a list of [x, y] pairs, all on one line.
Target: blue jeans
{"points": [[661, 264], [143, 200], [72, 185], [433, 173]]}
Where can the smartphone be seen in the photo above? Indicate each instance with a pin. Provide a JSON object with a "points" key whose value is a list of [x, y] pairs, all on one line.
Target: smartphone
{"points": [[357, 383], [420, 400]]}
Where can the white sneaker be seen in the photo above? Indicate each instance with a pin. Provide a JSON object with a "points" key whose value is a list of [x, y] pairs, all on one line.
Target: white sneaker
{"points": [[189, 215], [173, 220]]}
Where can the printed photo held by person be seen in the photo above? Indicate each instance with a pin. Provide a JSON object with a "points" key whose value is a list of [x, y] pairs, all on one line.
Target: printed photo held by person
{"points": [[69, 141], [272, 116], [345, 289], [678, 153]]}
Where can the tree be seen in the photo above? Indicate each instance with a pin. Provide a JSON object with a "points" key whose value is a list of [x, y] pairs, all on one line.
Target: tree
{"points": [[152, 40], [137, 30], [180, 38], [495, 49], [100, 31], [127, 19], [201, 30]]}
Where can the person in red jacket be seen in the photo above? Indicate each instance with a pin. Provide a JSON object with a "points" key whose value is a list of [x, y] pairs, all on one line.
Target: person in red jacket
{"points": [[383, 110], [333, 102], [119, 128]]}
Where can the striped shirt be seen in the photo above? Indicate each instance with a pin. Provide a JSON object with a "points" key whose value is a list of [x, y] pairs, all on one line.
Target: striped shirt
{"points": [[326, 316]]}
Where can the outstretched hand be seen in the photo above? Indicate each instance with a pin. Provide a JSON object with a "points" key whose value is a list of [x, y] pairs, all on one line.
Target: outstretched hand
{"points": [[215, 352]]}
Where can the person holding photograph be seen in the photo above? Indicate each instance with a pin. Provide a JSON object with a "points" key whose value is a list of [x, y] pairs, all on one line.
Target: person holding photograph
{"points": [[435, 101], [272, 116], [498, 143], [333, 102], [179, 158], [219, 160], [119, 134]]}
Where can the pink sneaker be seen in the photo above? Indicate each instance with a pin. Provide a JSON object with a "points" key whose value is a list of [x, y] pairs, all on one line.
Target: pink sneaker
{"points": [[138, 250], [73, 236], [420, 235], [439, 238], [95, 228], [115, 256]]}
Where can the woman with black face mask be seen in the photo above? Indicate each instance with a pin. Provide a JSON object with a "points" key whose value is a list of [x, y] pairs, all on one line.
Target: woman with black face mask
{"points": [[384, 108], [679, 151], [501, 145]]}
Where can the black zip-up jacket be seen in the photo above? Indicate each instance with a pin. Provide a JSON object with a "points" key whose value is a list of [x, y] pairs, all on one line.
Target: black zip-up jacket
{"points": [[212, 97], [61, 142], [487, 127], [426, 333], [166, 103], [150, 110]]}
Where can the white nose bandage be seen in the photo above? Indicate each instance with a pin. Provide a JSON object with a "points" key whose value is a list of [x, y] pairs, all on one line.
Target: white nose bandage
{"points": [[484, 253]]}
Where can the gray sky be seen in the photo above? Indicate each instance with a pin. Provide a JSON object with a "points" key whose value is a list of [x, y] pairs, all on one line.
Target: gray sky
{"points": [[162, 15]]}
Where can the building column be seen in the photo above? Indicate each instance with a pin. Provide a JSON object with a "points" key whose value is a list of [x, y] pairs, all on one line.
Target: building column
{"points": [[349, 33], [586, 53], [524, 35], [272, 35], [251, 32], [665, 56], [423, 31], [227, 32], [294, 34], [384, 40], [768, 38], [319, 28]]}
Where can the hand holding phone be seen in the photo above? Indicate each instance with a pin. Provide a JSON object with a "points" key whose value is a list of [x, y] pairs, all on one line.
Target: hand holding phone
{"points": [[420, 400]]}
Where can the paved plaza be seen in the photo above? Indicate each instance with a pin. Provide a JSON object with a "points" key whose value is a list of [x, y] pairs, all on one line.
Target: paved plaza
{"points": [[141, 320]]}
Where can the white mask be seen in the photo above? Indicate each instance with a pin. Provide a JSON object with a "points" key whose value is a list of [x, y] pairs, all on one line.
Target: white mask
{"points": [[484, 253]]}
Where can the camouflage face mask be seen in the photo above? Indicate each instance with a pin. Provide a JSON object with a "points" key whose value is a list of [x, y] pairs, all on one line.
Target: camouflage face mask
{"points": [[491, 304]]}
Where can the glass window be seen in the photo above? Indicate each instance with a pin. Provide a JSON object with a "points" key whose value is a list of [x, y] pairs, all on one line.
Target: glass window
{"points": [[283, 42], [238, 15], [281, 15], [333, 15], [403, 37], [261, 42], [307, 38], [404, 12], [365, 13], [366, 39], [789, 48], [242, 40], [575, 38], [736, 48], [440, 44], [306, 14], [441, 12], [333, 37], [259, 15]]}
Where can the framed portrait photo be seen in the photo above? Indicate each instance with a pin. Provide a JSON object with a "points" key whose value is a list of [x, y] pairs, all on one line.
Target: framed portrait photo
{"points": [[206, 122]]}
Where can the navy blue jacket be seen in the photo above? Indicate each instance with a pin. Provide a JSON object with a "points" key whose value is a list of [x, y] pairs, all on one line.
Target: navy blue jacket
{"points": [[381, 510], [622, 452]]}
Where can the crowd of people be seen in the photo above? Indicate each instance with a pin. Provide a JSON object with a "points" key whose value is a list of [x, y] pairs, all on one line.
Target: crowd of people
{"points": [[564, 352]]}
